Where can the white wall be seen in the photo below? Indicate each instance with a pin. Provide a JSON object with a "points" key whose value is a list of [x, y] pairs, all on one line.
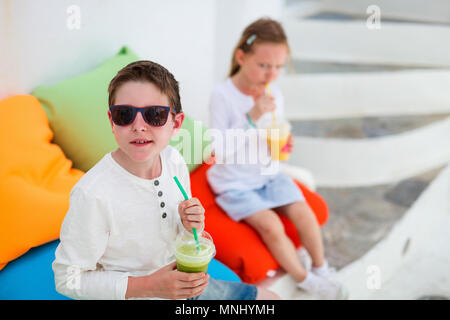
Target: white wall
{"points": [[43, 50], [193, 39]]}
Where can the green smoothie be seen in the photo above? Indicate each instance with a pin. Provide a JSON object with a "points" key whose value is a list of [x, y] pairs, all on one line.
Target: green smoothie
{"points": [[189, 258]]}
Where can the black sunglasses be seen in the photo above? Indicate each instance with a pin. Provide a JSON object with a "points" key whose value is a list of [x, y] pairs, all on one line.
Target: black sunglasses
{"points": [[124, 115]]}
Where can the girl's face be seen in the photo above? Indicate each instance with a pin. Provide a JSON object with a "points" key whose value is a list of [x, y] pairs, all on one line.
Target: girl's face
{"points": [[141, 94], [264, 63]]}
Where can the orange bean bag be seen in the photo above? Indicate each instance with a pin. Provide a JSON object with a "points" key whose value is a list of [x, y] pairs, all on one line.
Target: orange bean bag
{"points": [[237, 244], [35, 178]]}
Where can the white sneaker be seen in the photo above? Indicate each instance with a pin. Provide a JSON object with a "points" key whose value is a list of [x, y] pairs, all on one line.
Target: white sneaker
{"points": [[324, 288], [324, 271]]}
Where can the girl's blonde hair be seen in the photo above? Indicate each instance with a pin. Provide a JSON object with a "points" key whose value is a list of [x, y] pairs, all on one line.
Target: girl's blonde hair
{"points": [[264, 30]]}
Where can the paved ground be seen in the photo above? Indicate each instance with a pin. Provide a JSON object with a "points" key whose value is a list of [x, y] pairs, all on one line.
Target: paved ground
{"points": [[361, 217], [303, 67]]}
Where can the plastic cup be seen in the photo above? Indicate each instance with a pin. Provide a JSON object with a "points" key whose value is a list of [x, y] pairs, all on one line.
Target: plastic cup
{"points": [[189, 258], [277, 139]]}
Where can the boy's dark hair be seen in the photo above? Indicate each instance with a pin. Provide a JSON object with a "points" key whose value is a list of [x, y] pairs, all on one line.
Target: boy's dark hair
{"points": [[152, 72]]}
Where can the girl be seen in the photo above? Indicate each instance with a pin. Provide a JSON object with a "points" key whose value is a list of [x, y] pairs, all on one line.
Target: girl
{"points": [[256, 192]]}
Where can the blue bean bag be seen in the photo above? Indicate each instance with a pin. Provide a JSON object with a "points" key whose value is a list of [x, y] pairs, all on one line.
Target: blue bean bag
{"points": [[31, 277]]}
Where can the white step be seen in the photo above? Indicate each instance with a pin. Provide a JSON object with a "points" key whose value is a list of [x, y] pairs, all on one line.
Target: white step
{"points": [[366, 162], [403, 44], [409, 10], [337, 95]]}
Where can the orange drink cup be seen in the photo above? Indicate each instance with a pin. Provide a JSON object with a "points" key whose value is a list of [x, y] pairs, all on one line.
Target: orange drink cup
{"points": [[277, 139]]}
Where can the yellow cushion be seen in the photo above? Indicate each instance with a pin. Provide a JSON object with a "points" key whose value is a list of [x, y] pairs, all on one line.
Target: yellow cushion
{"points": [[35, 178]]}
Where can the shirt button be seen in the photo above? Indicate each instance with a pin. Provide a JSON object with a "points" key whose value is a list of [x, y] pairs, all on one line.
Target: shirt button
{"points": [[156, 182], [164, 215], [162, 205], [160, 193]]}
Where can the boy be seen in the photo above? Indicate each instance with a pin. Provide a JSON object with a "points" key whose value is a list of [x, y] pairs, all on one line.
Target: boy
{"points": [[117, 237]]}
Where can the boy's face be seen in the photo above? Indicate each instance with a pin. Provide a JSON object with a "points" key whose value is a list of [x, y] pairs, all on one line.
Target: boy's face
{"points": [[141, 94]]}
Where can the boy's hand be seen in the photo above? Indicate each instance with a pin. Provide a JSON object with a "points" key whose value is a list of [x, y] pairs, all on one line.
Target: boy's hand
{"points": [[192, 214], [168, 283]]}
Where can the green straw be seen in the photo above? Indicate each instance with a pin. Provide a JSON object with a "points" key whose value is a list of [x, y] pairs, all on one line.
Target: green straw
{"points": [[187, 198]]}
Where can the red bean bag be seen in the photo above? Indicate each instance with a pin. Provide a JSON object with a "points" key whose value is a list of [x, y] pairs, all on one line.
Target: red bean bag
{"points": [[237, 244]]}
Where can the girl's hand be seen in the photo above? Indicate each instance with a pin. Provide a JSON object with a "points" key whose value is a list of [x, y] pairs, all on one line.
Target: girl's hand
{"points": [[192, 214], [168, 283], [263, 104], [289, 145]]}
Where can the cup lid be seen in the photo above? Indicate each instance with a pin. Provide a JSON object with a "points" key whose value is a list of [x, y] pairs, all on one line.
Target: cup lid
{"points": [[207, 248]]}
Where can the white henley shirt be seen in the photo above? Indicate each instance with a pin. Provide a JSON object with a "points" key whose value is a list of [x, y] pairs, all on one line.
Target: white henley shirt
{"points": [[118, 225]]}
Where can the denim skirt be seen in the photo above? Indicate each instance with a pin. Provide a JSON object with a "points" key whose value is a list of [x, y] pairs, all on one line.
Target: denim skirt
{"points": [[279, 191]]}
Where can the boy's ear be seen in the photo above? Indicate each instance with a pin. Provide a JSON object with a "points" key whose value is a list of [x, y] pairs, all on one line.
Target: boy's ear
{"points": [[110, 121], [178, 121]]}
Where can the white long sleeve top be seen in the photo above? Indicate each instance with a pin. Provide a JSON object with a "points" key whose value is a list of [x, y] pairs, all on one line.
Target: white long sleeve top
{"points": [[243, 161], [118, 225]]}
